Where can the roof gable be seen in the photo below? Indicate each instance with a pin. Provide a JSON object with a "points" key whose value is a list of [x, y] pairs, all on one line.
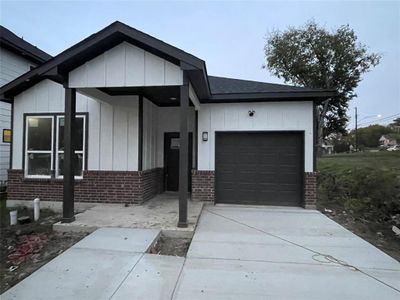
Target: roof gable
{"points": [[100, 42], [222, 89], [21, 47]]}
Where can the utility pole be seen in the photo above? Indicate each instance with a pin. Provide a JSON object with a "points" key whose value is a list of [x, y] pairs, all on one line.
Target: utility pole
{"points": [[356, 138]]}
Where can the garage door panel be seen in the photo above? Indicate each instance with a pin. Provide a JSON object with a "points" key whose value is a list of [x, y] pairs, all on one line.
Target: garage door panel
{"points": [[263, 168]]}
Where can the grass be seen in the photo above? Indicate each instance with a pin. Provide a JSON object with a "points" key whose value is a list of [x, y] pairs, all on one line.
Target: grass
{"points": [[341, 163]]}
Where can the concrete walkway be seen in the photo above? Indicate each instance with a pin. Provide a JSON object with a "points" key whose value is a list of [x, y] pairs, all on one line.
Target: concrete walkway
{"points": [[160, 212], [110, 263], [237, 252], [282, 253]]}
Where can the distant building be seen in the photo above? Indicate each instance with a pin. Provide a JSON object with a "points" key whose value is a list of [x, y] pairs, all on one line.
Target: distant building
{"points": [[327, 148], [387, 140]]}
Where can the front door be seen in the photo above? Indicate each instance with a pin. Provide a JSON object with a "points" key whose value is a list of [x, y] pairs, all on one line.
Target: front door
{"points": [[171, 160]]}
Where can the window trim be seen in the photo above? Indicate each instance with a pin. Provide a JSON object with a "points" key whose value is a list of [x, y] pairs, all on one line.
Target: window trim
{"points": [[57, 151], [25, 148], [54, 116]]}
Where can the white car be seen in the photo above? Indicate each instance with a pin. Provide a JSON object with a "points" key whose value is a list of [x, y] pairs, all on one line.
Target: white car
{"points": [[394, 148]]}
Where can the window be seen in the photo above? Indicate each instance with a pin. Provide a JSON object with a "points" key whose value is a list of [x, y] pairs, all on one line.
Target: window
{"points": [[39, 146], [44, 150], [79, 140]]}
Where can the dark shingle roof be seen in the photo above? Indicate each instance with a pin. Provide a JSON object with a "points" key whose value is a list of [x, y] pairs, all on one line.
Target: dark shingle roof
{"points": [[222, 85], [16, 44]]}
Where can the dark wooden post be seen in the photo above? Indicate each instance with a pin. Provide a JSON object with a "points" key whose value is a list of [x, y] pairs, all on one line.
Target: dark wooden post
{"points": [[140, 135], [69, 152], [183, 153]]}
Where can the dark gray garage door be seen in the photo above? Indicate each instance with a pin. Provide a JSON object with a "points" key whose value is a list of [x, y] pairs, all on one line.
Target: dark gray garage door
{"points": [[262, 168]]}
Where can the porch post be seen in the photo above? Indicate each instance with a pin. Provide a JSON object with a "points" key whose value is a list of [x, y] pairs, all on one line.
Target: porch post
{"points": [[69, 149], [183, 153]]}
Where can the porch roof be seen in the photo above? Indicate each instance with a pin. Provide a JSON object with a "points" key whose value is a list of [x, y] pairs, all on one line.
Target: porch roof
{"points": [[209, 89]]}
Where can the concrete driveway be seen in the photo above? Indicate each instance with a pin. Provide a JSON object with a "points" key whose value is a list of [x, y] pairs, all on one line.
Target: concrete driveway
{"points": [[282, 253], [237, 253]]}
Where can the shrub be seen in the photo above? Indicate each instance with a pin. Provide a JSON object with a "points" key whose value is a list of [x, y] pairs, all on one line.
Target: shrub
{"points": [[363, 191]]}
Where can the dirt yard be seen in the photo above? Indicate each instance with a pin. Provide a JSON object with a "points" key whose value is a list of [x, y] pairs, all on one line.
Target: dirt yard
{"points": [[171, 246], [378, 234], [361, 191], [25, 248]]}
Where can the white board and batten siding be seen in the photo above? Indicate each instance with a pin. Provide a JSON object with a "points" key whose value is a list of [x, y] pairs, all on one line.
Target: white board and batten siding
{"points": [[156, 122], [269, 116], [112, 131], [126, 65]]}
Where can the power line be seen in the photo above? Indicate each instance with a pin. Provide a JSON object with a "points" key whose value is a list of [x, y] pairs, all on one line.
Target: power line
{"points": [[388, 118]]}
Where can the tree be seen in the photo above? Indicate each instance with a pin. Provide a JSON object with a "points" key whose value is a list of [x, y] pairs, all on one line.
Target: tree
{"points": [[369, 136], [314, 57]]}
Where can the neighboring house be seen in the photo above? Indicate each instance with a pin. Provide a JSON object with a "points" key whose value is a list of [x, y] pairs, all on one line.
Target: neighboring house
{"points": [[387, 140], [327, 148], [16, 58], [249, 142]]}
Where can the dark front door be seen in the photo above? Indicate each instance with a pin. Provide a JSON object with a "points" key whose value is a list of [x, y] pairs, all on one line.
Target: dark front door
{"points": [[171, 160], [262, 168]]}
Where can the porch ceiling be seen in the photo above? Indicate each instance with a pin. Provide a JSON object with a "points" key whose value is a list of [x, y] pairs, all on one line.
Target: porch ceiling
{"points": [[159, 95]]}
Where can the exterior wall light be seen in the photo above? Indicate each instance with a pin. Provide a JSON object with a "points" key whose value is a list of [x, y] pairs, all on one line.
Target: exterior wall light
{"points": [[252, 112], [204, 135]]}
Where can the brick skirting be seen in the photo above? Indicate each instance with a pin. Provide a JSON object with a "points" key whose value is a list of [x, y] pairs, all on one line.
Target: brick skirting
{"points": [[203, 185], [96, 186], [310, 190]]}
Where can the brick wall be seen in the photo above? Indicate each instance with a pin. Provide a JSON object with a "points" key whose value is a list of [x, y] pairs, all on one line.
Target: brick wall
{"points": [[96, 186], [310, 189], [203, 185]]}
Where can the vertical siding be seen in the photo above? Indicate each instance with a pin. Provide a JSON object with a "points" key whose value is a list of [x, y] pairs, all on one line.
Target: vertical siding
{"points": [[126, 65], [149, 134], [168, 121], [271, 116], [112, 131]]}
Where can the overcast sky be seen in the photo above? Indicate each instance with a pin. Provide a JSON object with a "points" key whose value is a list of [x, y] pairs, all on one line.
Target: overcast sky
{"points": [[229, 36]]}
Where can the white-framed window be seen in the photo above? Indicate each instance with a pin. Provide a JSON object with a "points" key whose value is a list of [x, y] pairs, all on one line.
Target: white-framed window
{"points": [[79, 139], [39, 141], [44, 146]]}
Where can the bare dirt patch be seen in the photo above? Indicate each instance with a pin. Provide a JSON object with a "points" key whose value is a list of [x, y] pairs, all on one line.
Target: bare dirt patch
{"points": [[378, 233], [25, 248], [171, 246]]}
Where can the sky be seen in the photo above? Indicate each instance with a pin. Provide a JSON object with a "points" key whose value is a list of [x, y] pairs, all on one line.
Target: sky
{"points": [[228, 35]]}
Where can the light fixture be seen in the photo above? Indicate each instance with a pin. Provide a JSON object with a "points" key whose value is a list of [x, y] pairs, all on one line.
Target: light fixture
{"points": [[204, 136], [251, 112], [172, 98]]}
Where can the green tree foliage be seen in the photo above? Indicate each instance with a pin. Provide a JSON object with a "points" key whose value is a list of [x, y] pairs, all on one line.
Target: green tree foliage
{"points": [[315, 57], [369, 136]]}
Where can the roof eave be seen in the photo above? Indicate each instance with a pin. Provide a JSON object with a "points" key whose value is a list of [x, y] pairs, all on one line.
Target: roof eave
{"points": [[280, 96]]}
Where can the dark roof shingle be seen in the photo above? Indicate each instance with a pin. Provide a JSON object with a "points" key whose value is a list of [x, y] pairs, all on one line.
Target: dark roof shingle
{"points": [[223, 85]]}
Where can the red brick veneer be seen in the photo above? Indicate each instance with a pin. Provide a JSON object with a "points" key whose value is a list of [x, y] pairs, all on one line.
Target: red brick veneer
{"points": [[203, 185], [310, 190], [96, 186]]}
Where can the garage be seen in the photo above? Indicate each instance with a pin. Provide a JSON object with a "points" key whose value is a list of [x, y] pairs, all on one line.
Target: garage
{"points": [[259, 168]]}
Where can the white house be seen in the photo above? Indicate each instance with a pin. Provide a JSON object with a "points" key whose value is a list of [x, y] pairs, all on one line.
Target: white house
{"points": [[387, 141], [241, 141], [16, 58]]}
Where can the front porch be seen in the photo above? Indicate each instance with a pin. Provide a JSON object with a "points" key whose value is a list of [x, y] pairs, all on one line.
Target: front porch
{"points": [[160, 212]]}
